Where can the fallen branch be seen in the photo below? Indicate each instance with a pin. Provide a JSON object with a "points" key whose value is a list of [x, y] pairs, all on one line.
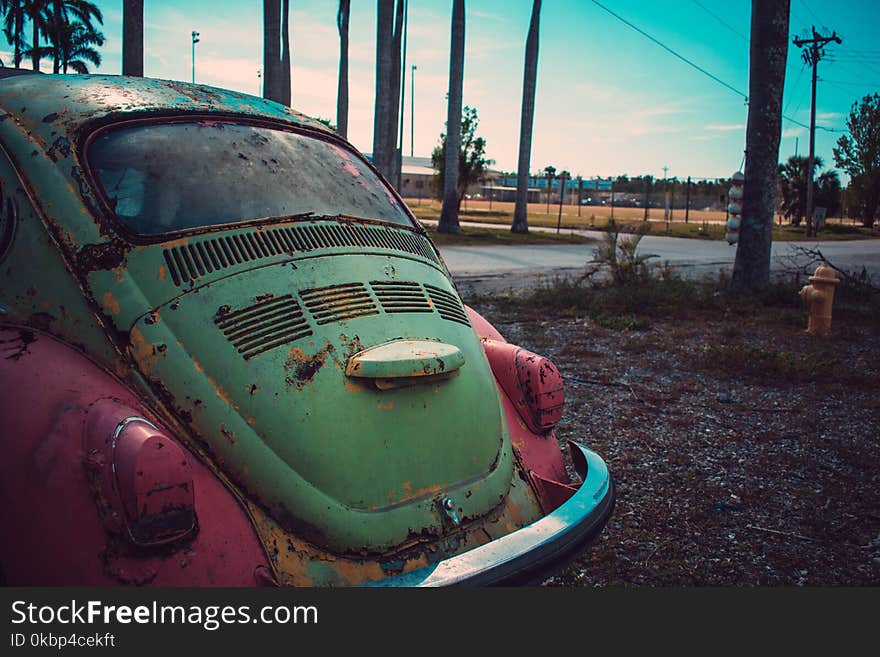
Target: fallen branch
{"points": [[776, 531], [800, 258], [596, 382]]}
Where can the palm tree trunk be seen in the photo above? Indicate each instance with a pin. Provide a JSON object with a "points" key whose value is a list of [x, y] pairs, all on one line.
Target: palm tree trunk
{"points": [[35, 54], [449, 213], [285, 53], [527, 119], [382, 111], [342, 89], [19, 34], [56, 36], [394, 91], [767, 55], [133, 37], [272, 50]]}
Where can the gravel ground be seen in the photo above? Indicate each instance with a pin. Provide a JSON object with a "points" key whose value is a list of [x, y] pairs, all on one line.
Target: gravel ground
{"points": [[745, 452]]}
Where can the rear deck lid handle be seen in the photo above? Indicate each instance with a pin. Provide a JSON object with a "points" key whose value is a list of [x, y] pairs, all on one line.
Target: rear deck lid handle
{"points": [[405, 362]]}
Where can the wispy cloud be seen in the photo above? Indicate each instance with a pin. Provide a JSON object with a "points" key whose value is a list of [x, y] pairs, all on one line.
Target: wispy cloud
{"points": [[725, 127]]}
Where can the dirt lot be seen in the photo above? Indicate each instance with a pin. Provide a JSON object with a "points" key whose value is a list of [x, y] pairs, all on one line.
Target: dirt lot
{"points": [[745, 452]]}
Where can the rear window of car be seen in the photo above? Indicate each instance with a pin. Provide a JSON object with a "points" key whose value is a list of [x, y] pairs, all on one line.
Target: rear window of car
{"points": [[162, 178]]}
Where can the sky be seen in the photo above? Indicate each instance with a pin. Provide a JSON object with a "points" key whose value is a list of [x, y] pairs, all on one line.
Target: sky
{"points": [[609, 100]]}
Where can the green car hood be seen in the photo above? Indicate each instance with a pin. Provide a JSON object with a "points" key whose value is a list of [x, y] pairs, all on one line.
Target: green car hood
{"points": [[256, 364]]}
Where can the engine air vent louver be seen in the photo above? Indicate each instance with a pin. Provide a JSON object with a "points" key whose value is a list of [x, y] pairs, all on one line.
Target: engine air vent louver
{"points": [[338, 302], [448, 305], [398, 297], [200, 256], [263, 326]]}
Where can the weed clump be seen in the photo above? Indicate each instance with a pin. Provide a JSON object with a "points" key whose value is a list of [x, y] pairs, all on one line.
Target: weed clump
{"points": [[623, 290]]}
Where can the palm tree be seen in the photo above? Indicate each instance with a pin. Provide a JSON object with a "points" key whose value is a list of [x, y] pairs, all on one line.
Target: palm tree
{"points": [[78, 48], [37, 12], [70, 29], [768, 49], [394, 100], [342, 89], [276, 51], [389, 31], [13, 27], [133, 37], [793, 179], [449, 213], [285, 52], [382, 110], [530, 76]]}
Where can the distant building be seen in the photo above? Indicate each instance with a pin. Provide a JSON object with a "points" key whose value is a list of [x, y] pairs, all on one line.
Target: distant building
{"points": [[416, 174], [415, 177]]}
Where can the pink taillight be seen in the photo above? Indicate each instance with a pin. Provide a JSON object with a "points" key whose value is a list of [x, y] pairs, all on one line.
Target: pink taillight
{"points": [[532, 382], [142, 479]]}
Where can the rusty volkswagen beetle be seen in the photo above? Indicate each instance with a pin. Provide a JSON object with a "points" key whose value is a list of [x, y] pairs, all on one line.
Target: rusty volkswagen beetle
{"points": [[229, 355]]}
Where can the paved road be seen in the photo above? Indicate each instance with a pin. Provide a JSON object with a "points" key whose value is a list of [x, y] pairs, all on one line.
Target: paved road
{"points": [[512, 266]]}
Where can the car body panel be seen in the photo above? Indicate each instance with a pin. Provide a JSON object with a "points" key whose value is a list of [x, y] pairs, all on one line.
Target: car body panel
{"points": [[239, 344]]}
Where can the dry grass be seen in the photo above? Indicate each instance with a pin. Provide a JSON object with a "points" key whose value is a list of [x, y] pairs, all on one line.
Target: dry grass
{"points": [[705, 224]]}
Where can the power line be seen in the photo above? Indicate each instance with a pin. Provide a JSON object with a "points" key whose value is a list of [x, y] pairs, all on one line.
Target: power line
{"points": [[812, 13], [794, 86], [671, 51], [698, 67], [721, 20]]}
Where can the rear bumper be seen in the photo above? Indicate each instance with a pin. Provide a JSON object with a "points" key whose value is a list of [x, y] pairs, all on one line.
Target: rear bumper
{"points": [[528, 555]]}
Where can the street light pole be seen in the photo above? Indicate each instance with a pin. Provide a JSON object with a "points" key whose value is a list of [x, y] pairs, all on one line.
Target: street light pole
{"points": [[412, 112], [195, 40]]}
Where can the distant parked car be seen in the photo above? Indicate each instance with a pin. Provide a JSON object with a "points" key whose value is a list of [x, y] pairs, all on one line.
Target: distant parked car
{"points": [[230, 355]]}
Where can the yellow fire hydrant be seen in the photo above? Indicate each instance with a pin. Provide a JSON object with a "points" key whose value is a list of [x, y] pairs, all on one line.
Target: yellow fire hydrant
{"points": [[819, 296]]}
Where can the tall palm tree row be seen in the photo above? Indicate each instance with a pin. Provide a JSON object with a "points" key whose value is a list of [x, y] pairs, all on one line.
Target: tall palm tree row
{"points": [[61, 30], [530, 75]]}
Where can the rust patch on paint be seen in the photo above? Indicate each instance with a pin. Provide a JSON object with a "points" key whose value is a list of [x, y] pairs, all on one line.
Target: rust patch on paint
{"points": [[143, 351], [300, 368], [111, 304], [97, 257], [227, 433]]}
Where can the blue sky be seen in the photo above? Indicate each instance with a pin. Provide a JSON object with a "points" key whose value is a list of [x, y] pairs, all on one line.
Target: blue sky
{"points": [[609, 100]]}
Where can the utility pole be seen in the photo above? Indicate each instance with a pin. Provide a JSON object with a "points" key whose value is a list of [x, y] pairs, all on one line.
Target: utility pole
{"points": [[666, 196], [412, 112], [813, 51], [195, 40], [562, 178], [687, 201]]}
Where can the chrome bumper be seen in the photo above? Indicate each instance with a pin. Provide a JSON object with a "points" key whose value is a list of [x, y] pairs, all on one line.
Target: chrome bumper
{"points": [[533, 552]]}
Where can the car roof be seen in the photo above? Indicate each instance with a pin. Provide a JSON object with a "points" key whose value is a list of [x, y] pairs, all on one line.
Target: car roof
{"points": [[48, 104]]}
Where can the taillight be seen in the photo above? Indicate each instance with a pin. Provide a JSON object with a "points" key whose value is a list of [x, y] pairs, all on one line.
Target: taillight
{"points": [[532, 383], [142, 478]]}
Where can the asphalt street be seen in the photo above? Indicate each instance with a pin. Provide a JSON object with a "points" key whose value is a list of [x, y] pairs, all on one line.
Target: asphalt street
{"points": [[511, 266]]}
